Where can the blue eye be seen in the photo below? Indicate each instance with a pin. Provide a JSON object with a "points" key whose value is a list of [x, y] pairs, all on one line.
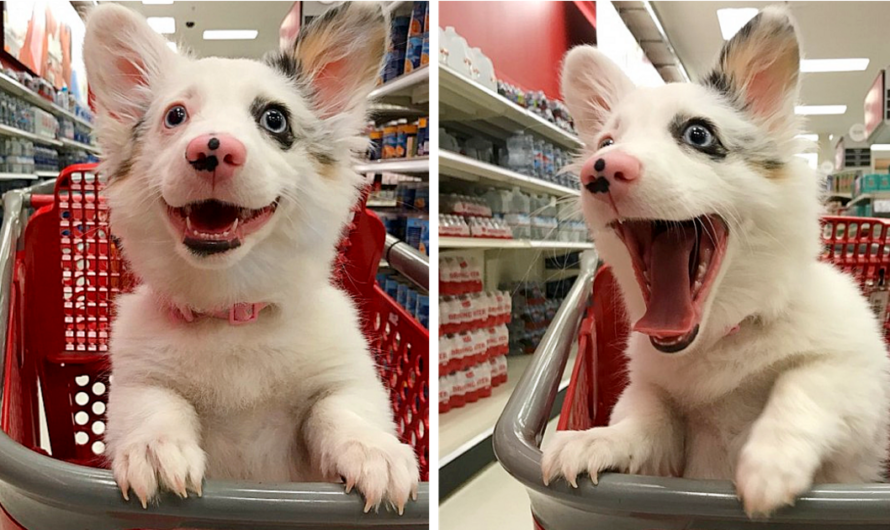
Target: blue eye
{"points": [[176, 116], [274, 121], [699, 136]]}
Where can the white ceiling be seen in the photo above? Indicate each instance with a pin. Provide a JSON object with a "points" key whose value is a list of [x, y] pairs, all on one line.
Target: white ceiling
{"points": [[828, 30], [265, 17]]}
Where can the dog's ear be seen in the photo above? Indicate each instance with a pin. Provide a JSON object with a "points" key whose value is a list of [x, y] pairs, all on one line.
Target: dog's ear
{"points": [[592, 85], [759, 68], [124, 57], [340, 55]]}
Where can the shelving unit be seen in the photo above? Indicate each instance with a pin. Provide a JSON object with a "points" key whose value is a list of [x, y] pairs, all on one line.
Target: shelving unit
{"points": [[485, 243], [465, 168], [407, 166], [6, 130], [15, 88], [17, 176], [465, 101]]}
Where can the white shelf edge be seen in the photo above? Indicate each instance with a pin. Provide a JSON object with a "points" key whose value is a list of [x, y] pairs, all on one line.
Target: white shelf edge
{"points": [[79, 145], [410, 166], [449, 161], [567, 139], [402, 82], [12, 131], [47, 174], [382, 204], [480, 242]]}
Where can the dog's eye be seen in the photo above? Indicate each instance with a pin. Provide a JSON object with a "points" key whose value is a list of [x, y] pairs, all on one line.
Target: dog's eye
{"points": [[606, 142], [274, 121], [176, 116], [698, 135]]}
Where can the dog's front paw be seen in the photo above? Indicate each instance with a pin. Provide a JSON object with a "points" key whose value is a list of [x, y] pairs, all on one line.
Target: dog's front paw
{"points": [[379, 466], [770, 476], [571, 453], [175, 465]]}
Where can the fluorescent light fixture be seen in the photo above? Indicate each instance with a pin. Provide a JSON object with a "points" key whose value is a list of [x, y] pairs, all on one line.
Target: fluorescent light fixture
{"points": [[880, 147], [163, 25], [820, 110], [833, 65], [157, 2], [810, 137], [172, 45], [732, 19], [230, 34]]}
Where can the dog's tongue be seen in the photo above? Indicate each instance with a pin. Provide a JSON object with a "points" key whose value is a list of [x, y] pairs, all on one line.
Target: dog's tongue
{"points": [[670, 311]]}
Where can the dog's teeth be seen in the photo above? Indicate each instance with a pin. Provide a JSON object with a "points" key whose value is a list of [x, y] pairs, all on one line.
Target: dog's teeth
{"points": [[697, 285], [188, 223], [234, 225]]}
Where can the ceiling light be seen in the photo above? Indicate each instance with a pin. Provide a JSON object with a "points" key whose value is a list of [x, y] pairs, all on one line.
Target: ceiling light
{"points": [[172, 45], [732, 19], [833, 65], [230, 34], [820, 110], [163, 25], [157, 2], [810, 137], [880, 147]]}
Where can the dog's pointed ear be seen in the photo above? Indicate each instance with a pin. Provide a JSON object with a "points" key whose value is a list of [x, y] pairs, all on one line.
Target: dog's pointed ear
{"points": [[759, 69], [592, 85], [124, 57], [340, 55]]}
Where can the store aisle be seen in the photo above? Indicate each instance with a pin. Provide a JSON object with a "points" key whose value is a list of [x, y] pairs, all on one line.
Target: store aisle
{"points": [[493, 500]]}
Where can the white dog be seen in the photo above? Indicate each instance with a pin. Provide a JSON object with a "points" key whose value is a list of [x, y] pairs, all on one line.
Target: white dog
{"points": [[230, 183], [750, 360]]}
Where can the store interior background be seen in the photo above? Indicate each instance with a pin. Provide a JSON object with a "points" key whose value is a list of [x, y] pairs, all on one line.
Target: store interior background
{"points": [[654, 42]]}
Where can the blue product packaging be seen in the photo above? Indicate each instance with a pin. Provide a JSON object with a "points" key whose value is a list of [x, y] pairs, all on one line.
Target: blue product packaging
{"points": [[413, 53], [423, 310], [423, 137], [417, 234], [392, 288], [411, 302], [422, 197], [402, 294]]}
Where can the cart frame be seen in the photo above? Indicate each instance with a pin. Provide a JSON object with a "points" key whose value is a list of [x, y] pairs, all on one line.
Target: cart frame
{"points": [[40, 492]]}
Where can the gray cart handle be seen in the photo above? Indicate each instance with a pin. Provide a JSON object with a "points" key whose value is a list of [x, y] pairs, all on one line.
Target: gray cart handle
{"points": [[520, 429], [40, 492], [408, 261]]}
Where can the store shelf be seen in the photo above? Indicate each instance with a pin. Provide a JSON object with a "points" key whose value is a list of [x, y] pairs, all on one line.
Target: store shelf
{"points": [[78, 145], [841, 196], [17, 176], [466, 168], [382, 203], [481, 242], [413, 85], [6, 130], [463, 428], [408, 166], [464, 100], [47, 174], [15, 88]]}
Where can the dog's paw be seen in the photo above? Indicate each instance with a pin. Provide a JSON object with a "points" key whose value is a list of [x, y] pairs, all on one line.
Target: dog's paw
{"points": [[770, 476], [380, 467], [175, 465], [571, 453]]}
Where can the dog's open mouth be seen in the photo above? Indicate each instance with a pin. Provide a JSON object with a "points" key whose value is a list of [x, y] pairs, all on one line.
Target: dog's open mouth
{"points": [[211, 226], [675, 264]]}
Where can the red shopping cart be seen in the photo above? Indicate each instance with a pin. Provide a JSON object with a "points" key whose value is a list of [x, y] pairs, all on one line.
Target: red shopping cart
{"points": [[61, 269], [595, 317]]}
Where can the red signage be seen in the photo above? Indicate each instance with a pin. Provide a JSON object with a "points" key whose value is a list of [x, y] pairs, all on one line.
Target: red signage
{"points": [[874, 105]]}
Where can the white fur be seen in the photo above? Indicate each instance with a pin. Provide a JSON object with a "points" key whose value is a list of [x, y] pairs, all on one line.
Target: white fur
{"points": [[295, 395], [801, 394]]}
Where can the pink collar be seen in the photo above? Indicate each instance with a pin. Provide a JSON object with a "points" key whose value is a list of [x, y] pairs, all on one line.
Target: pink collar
{"points": [[237, 314]]}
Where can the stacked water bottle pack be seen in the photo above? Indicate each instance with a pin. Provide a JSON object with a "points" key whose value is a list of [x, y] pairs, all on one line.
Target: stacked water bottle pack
{"points": [[509, 214], [532, 313], [473, 335]]}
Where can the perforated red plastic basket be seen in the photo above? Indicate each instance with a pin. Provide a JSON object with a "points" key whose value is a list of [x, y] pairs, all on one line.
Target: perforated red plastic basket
{"points": [[67, 274]]}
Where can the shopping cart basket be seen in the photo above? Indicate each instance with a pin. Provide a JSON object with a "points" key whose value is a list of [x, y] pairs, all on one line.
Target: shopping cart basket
{"points": [[593, 313], [59, 269]]}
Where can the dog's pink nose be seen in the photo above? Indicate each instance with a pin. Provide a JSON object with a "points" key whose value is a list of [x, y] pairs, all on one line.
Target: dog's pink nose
{"points": [[610, 175], [216, 155]]}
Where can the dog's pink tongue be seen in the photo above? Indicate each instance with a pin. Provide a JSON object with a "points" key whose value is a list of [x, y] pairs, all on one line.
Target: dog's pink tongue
{"points": [[670, 311]]}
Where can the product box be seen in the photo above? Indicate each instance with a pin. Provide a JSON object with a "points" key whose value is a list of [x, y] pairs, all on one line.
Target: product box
{"points": [[417, 234], [874, 182]]}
